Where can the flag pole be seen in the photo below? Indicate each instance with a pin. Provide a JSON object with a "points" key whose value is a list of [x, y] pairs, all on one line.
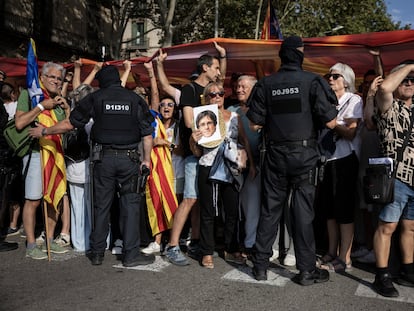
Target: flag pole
{"points": [[256, 36], [46, 229]]}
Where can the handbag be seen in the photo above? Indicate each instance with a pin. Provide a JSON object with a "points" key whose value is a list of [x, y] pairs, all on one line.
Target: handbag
{"points": [[236, 154], [379, 180], [18, 140], [220, 171], [378, 184]]}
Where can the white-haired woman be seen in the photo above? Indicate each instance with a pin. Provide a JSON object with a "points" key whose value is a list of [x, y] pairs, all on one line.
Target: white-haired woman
{"points": [[337, 192]]}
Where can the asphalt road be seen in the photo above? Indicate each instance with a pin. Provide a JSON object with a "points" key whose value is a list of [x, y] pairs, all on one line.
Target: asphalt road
{"points": [[70, 282]]}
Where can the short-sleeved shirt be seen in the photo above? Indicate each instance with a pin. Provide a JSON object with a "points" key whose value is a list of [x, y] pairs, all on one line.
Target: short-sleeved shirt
{"points": [[392, 126], [24, 104]]}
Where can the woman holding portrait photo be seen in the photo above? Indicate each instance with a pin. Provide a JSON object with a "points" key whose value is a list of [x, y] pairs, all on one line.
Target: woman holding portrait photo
{"points": [[209, 192]]}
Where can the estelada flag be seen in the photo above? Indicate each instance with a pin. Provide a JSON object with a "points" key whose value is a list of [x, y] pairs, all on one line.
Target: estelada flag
{"points": [[271, 28], [53, 162], [160, 196]]}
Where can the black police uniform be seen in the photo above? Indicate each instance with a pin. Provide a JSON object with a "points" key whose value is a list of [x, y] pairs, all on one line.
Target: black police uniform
{"points": [[121, 118], [287, 105]]}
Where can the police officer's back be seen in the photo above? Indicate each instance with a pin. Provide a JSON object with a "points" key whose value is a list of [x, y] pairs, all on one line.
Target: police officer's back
{"points": [[289, 106], [121, 121]]}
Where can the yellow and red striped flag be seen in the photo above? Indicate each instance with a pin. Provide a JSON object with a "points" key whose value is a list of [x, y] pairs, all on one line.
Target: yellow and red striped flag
{"points": [[53, 163], [160, 196], [271, 28]]}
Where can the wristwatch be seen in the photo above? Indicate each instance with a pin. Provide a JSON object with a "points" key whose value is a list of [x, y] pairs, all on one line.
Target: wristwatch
{"points": [[44, 131]]}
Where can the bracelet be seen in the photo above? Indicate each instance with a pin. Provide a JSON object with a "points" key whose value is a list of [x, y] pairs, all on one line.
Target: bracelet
{"points": [[40, 106], [44, 131], [221, 57]]}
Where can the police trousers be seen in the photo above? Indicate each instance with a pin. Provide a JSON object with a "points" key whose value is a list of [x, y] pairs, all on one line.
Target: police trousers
{"points": [[114, 170], [287, 168]]}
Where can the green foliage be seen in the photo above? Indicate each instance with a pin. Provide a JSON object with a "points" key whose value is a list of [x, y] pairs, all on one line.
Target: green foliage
{"points": [[307, 18]]}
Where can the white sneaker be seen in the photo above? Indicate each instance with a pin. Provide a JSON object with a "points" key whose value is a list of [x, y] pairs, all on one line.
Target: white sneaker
{"points": [[275, 255], [117, 248], [41, 238], [63, 240], [152, 248], [289, 260], [368, 258]]}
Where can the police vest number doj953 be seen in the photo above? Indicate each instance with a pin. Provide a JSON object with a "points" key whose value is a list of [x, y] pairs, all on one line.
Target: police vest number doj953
{"points": [[285, 91]]}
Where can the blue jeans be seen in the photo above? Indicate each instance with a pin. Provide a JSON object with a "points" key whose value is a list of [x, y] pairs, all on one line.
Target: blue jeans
{"points": [[403, 205]]}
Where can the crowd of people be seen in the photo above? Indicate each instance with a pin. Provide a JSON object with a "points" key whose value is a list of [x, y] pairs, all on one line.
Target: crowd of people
{"points": [[306, 138]]}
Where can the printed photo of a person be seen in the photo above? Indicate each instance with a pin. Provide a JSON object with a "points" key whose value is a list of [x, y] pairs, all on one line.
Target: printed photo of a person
{"points": [[206, 120]]}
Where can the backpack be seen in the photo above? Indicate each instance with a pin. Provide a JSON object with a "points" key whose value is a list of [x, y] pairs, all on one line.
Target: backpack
{"points": [[75, 145]]}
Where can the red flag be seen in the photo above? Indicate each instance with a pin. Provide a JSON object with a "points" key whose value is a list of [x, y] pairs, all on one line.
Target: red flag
{"points": [[271, 28]]}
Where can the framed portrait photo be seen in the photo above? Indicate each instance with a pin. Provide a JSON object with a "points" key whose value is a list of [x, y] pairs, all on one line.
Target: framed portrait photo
{"points": [[209, 121]]}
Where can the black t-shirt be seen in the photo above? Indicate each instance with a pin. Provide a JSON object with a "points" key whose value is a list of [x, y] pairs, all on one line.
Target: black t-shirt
{"points": [[191, 96]]}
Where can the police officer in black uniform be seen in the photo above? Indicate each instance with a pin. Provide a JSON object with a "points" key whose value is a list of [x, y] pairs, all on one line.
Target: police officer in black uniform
{"points": [[121, 120], [288, 106]]}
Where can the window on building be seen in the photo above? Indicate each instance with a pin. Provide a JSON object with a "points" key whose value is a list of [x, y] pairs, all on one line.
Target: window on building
{"points": [[138, 33]]}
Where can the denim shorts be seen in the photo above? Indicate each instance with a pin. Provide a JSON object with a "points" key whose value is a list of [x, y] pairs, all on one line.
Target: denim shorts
{"points": [[191, 176], [33, 182], [403, 205]]}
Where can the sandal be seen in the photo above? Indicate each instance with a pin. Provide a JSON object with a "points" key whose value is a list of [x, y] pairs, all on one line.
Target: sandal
{"points": [[337, 265], [207, 262], [325, 259]]}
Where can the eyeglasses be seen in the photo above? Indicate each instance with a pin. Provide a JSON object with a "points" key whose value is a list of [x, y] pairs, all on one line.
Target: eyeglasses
{"points": [[169, 105], [405, 81], [214, 94], [52, 77], [335, 76]]}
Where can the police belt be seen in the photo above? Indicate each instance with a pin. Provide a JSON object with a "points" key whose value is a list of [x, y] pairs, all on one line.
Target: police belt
{"points": [[303, 143], [117, 152]]}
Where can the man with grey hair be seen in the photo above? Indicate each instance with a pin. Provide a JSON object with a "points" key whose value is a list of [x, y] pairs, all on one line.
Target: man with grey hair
{"points": [[249, 196], [51, 76], [394, 103]]}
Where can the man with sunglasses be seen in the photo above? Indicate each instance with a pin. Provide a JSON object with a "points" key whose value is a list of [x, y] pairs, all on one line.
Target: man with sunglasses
{"points": [[289, 106], [51, 77], [394, 102]]}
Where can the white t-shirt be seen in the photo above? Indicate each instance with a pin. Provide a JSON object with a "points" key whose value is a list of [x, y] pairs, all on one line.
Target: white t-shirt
{"points": [[349, 107], [11, 109]]}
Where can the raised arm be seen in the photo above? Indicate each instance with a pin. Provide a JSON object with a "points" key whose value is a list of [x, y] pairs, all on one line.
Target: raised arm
{"points": [[91, 75], [155, 96], [77, 73], [384, 95], [125, 75], [165, 85], [223, 61], [369, 103]]}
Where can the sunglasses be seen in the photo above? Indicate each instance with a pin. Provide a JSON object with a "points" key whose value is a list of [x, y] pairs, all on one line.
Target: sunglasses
{"points": [[52, 77], [405, 81], [335, 76], [170, 105], [214, 94]]}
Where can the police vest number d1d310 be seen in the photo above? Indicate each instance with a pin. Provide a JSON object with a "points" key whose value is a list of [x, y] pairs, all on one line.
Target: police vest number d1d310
{"points": [[285, 91], [117, 107]]}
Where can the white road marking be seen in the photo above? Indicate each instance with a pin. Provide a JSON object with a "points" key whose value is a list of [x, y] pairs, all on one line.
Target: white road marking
{"points": [[157, 266], [275, 277]]}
